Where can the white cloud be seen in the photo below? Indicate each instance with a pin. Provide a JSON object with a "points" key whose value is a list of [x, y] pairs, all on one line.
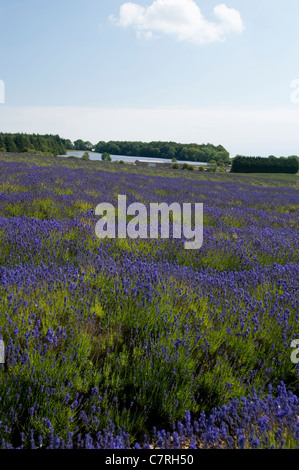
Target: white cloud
{"points": [[181, 19], [248, 131]]}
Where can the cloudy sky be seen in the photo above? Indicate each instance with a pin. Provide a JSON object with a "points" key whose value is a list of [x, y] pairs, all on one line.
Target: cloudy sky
{"points": [[183, 70]]}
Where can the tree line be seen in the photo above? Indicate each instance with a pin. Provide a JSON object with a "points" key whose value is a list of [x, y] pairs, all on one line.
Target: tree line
{"points": [[272, 164], [55, 145], [167, 150], [49, 144]]}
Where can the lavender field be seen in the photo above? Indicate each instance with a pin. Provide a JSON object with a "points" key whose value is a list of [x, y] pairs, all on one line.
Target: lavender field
{"points": [[140, 343]]}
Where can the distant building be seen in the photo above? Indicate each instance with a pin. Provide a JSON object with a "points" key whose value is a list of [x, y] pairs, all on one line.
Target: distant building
{"points": [[153, 163]]}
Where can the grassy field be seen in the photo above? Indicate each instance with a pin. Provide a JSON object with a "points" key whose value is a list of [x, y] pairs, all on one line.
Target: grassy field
{"points": [[273, 176], [259, 179], [122, 343]]}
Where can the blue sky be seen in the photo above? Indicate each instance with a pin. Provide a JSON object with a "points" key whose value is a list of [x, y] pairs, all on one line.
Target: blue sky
{"points": [[183, 70]]}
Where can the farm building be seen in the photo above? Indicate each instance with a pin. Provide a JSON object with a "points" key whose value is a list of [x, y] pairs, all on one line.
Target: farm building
{"points": [[153, 163]]}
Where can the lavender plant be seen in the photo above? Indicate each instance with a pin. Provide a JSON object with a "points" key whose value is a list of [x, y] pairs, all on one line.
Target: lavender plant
{"points": [[109, 341]]}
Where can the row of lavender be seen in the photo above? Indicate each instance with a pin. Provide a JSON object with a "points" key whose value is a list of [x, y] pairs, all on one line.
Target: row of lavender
{"points": [[110, 340]]}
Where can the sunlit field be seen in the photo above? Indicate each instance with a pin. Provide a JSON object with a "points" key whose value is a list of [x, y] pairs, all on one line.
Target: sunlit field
{"points": [[141, 343]]}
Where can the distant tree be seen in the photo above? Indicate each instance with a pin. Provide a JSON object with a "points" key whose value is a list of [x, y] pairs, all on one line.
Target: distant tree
{"points": [[48, 144], [222, 155], [106, 157], [194, 154], [81, 145], [185, 166], [68, 144], [88, 145], [169, 150], [28, 150], [114, 149], [2, 145], [242, 164], [85, 156], [100, 147], [152, 152], [10, 143]]}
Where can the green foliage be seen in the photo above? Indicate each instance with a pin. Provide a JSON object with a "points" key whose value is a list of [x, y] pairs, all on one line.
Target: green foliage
{"points": [[85, 156], [81, 145], [211, 168], [271, 164], [122, 162], [2, 144], [187, 167], [55, 145], [170, 150], [68, 144], [28, 150], [201, 168], [106, 157], [10, 143], [33, 143]]}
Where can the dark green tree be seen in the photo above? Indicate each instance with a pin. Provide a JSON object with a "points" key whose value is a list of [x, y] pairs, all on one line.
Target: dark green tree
{"points": [[106, 157], [2, 144], [10, 143], [85, 156]]}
